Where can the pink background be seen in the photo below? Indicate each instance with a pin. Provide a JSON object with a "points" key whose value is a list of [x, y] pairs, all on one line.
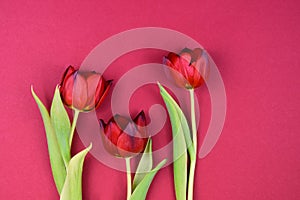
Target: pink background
{"points": [[254, 44]]}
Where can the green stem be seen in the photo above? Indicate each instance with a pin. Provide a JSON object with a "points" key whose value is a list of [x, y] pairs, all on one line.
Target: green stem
{"points": [[191, 179], [194, 132], [128, 177], [75, 118]]}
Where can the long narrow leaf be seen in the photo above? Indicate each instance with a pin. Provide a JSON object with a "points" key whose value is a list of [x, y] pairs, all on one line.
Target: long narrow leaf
{"points": [[56, 160], [61, 124], [181, 141], [145, 164], [72, 189], [183, 121], [142, 188], [179, 156]]}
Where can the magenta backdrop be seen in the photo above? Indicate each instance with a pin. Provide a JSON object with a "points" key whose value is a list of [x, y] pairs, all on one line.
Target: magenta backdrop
{"points": [[254, 43]]}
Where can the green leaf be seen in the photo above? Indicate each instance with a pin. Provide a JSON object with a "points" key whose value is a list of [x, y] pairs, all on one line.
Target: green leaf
{"points": [[145, 164], [142, 188], [61, 124], [181, 141], [72, 189], [176, 112], [56, 160]]}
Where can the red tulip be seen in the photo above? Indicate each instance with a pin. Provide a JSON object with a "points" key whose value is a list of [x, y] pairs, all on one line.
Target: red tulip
{"points": [[83, 91], [191, 67], [122, 137]]}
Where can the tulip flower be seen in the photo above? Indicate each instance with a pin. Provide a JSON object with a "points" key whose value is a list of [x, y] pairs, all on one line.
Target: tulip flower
{"points": [[191, 67], [122, 137], [83, 91]]}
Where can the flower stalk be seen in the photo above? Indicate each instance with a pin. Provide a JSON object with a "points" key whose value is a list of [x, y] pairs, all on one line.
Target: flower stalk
{"points": [[75, 118], [128, 170], [194, 133]]}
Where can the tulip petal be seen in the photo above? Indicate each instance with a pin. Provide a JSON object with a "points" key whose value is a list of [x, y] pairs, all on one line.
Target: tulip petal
{"points": [[176, 73], [202, 65], [198, 80], [121, 122], [178, 63], [69, 71], [108, 145], [190, 70], [101, 95], [100, 89], [128, 145], [187, 57], [140, 121], [183, 63], [80, 92], [67, 90], [167, 62], [108, 136], [196, 54], [113, 131], [174, 59], [93, 81]]}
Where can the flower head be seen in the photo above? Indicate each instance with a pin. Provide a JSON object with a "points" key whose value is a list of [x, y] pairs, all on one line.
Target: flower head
{"points": [[83, 90], [191, 67], [122, 137]]}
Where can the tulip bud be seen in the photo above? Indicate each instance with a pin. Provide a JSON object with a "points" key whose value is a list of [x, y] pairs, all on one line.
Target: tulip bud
{"points": [[191, 67], [83, 91], [122, 137]]}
